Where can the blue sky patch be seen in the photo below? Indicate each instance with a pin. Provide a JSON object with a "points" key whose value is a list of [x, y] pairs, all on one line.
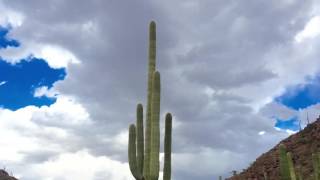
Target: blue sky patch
{"points": [[19, 81], [292, 124], [301, 96], [5, 41]]}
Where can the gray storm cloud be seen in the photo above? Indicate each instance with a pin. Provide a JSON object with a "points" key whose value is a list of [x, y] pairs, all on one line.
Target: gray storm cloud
{"points": [[215, 65]]}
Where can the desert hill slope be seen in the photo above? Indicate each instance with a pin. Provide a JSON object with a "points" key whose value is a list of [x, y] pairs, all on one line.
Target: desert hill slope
{"points": [[301, 144], [5, 176]]}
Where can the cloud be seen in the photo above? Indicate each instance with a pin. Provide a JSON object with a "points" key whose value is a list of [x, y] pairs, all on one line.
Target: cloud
{"points": [[309, 114], [209, 158], [301, 96], [45, 91], [221, 63], [278, 110], [3, 83], [5, 41], [10, 17], [48, 140], [311, 30], [55, 56], [83, 166]]}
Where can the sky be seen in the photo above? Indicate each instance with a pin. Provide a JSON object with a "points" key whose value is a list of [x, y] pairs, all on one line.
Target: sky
{"points": [[237, 75]]}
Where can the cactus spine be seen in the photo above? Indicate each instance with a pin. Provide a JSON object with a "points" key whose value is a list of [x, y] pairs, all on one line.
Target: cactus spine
{"points": [[143, 151]]}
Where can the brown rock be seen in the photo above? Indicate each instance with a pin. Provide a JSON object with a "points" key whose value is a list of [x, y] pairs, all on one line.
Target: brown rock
{"points": [[301, 145], [5, 176]]}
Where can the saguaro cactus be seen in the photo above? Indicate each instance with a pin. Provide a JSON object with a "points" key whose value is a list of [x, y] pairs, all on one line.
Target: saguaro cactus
{"points": [[143, 151], [299, 173], [291, 167], [316, 166], [284, 164], [287, 170]]}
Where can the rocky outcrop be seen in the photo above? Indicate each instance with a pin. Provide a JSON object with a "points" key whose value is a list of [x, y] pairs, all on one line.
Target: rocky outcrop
{"points": [[5, 176], [301, 144]]}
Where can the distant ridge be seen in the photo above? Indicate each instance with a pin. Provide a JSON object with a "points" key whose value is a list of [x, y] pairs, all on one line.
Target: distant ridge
{"points": [[5, 176], [301, 144]]}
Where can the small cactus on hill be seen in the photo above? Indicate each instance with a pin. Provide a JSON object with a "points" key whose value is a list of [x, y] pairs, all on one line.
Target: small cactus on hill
{"points": [[284, 164], [287, 170], [291, 167], [316, 166]]}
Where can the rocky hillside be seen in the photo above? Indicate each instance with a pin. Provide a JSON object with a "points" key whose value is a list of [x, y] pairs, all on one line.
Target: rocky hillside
{"points": [[5, 176], [301, 144]]}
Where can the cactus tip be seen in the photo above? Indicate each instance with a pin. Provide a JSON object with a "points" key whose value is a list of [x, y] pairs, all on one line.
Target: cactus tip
{"points": [[153, 24]]}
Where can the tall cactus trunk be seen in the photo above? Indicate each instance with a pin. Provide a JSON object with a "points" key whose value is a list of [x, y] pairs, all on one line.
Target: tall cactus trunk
{"points": [[144, 151], [155, 128], [151, 70]]}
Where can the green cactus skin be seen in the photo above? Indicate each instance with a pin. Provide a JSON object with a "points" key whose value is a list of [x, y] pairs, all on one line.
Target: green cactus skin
{"points": [[318, 165], [140, 138], [167, 148], [299, 173], [132, 153], [284, 165], [155, 128], [299, 176], [151, 70], [287, 170], [144, 145], [315, 163], [291, 167]]}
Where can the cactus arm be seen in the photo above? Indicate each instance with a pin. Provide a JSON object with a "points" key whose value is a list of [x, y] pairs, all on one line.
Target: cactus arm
{"points": [[315, 166], [140, 138], [284, 167], [299, 176], [132, 153], [155, 128], [151, 70], [291, 167], [167, 147], [318, 164], [299, 173]]}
